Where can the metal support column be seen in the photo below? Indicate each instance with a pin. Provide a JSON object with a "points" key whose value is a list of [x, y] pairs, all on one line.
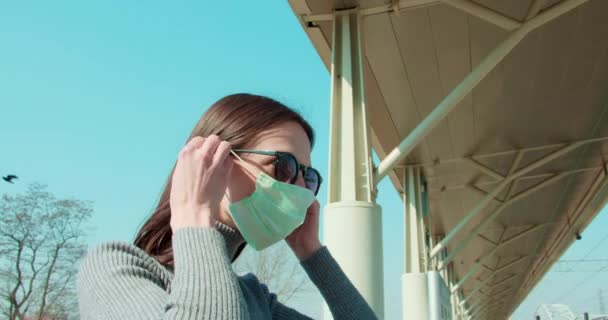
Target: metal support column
{"points": [[453, 297], [352, 220], [414, 232], [424, 291]]}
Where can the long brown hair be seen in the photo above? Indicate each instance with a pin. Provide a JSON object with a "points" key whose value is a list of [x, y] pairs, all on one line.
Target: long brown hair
{"points": [[238, 119]]}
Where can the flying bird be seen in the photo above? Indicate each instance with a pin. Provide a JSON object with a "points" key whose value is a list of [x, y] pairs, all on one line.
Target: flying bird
{"points": [[9, 178]]}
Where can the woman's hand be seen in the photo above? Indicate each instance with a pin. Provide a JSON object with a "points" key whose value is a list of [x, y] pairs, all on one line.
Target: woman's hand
{"points": [[304, 240], [199, 182]]}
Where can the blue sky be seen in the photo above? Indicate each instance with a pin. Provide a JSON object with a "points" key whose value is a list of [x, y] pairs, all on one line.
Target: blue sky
{"points": [[96, 99]]}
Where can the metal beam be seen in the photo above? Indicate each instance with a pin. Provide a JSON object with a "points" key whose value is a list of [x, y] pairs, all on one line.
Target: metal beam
{"points": [[543, 184], [318, 17], [476, 231], [506, 152], [524, 177], [472, 8], [478, 207], [401, 5], [509, 278], [474, 306], [467, 85], [500, 294], [466, 276], [479, 286], [491, 303], [474, 302], [460, 306], [398, 6], [484, 202], [482, 225], [479, 263], [493, 251], [482, 193], [600, 183], [514, 262], [486, 307], [535, 8], [596, 195], [485, 169], [497, 270], [485, 14], [485, 300], [493, 308], [453, 297]]}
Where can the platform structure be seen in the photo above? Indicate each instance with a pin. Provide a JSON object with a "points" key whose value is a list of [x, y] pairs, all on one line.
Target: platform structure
{"points": [[490, 118]]}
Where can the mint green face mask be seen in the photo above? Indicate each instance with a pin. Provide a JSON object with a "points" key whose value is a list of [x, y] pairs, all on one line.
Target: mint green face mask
{"points": [[271, 212]]}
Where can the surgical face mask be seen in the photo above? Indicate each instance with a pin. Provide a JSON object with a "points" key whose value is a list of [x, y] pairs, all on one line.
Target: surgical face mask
{"points": [[271, 212]]}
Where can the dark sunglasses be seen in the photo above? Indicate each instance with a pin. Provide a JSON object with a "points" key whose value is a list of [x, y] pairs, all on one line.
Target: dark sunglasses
{"points": [[287, 167]]}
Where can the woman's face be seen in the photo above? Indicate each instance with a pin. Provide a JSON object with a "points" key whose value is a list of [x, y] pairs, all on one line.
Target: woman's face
{"points": [[287, 137]]}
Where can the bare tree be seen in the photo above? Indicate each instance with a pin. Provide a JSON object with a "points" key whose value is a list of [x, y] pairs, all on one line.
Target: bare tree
{"points": [[41, 240], [276, 267]]}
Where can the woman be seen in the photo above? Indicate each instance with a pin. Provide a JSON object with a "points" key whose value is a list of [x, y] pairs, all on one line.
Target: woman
{"points": [[243, 177]]}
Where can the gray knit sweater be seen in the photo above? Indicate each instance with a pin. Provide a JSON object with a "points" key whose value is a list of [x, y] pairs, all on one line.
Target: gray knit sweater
{"points": [[120, 281]]}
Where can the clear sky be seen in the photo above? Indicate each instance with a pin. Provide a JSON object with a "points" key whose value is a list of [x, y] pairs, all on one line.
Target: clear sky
{"points": [[96, 99]]}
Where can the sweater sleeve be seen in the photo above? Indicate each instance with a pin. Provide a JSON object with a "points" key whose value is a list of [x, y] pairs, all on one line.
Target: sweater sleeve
{"points": [[278, 311], [119, 281], [343, 299]]}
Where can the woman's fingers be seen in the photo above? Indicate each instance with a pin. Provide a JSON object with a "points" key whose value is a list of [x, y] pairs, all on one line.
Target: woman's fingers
{"points": [[199, 182], [221, 158], [206, 152], [193, 144]]}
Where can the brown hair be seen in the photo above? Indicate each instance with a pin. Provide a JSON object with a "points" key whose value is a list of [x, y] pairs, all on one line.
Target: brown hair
{"points": [[236, 118]]}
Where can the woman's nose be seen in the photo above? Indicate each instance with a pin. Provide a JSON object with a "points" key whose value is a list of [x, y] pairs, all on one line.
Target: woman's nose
{"points": [[300, 180]]}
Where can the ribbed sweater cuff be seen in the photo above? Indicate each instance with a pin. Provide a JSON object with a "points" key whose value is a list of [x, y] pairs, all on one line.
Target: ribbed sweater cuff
{"points": [[325, 273], [340, 294], [196, 244], [201, 264]]}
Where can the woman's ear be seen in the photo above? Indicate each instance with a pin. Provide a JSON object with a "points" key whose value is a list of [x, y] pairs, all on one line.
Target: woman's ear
{"points": [[236, 181]]}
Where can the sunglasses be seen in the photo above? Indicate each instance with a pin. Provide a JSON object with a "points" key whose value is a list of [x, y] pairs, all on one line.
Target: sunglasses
{"points": [[287, 167]]}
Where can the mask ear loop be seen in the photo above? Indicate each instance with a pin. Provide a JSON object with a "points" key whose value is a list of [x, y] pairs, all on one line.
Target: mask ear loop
{"points": [[252, 169], [244, 164]]}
